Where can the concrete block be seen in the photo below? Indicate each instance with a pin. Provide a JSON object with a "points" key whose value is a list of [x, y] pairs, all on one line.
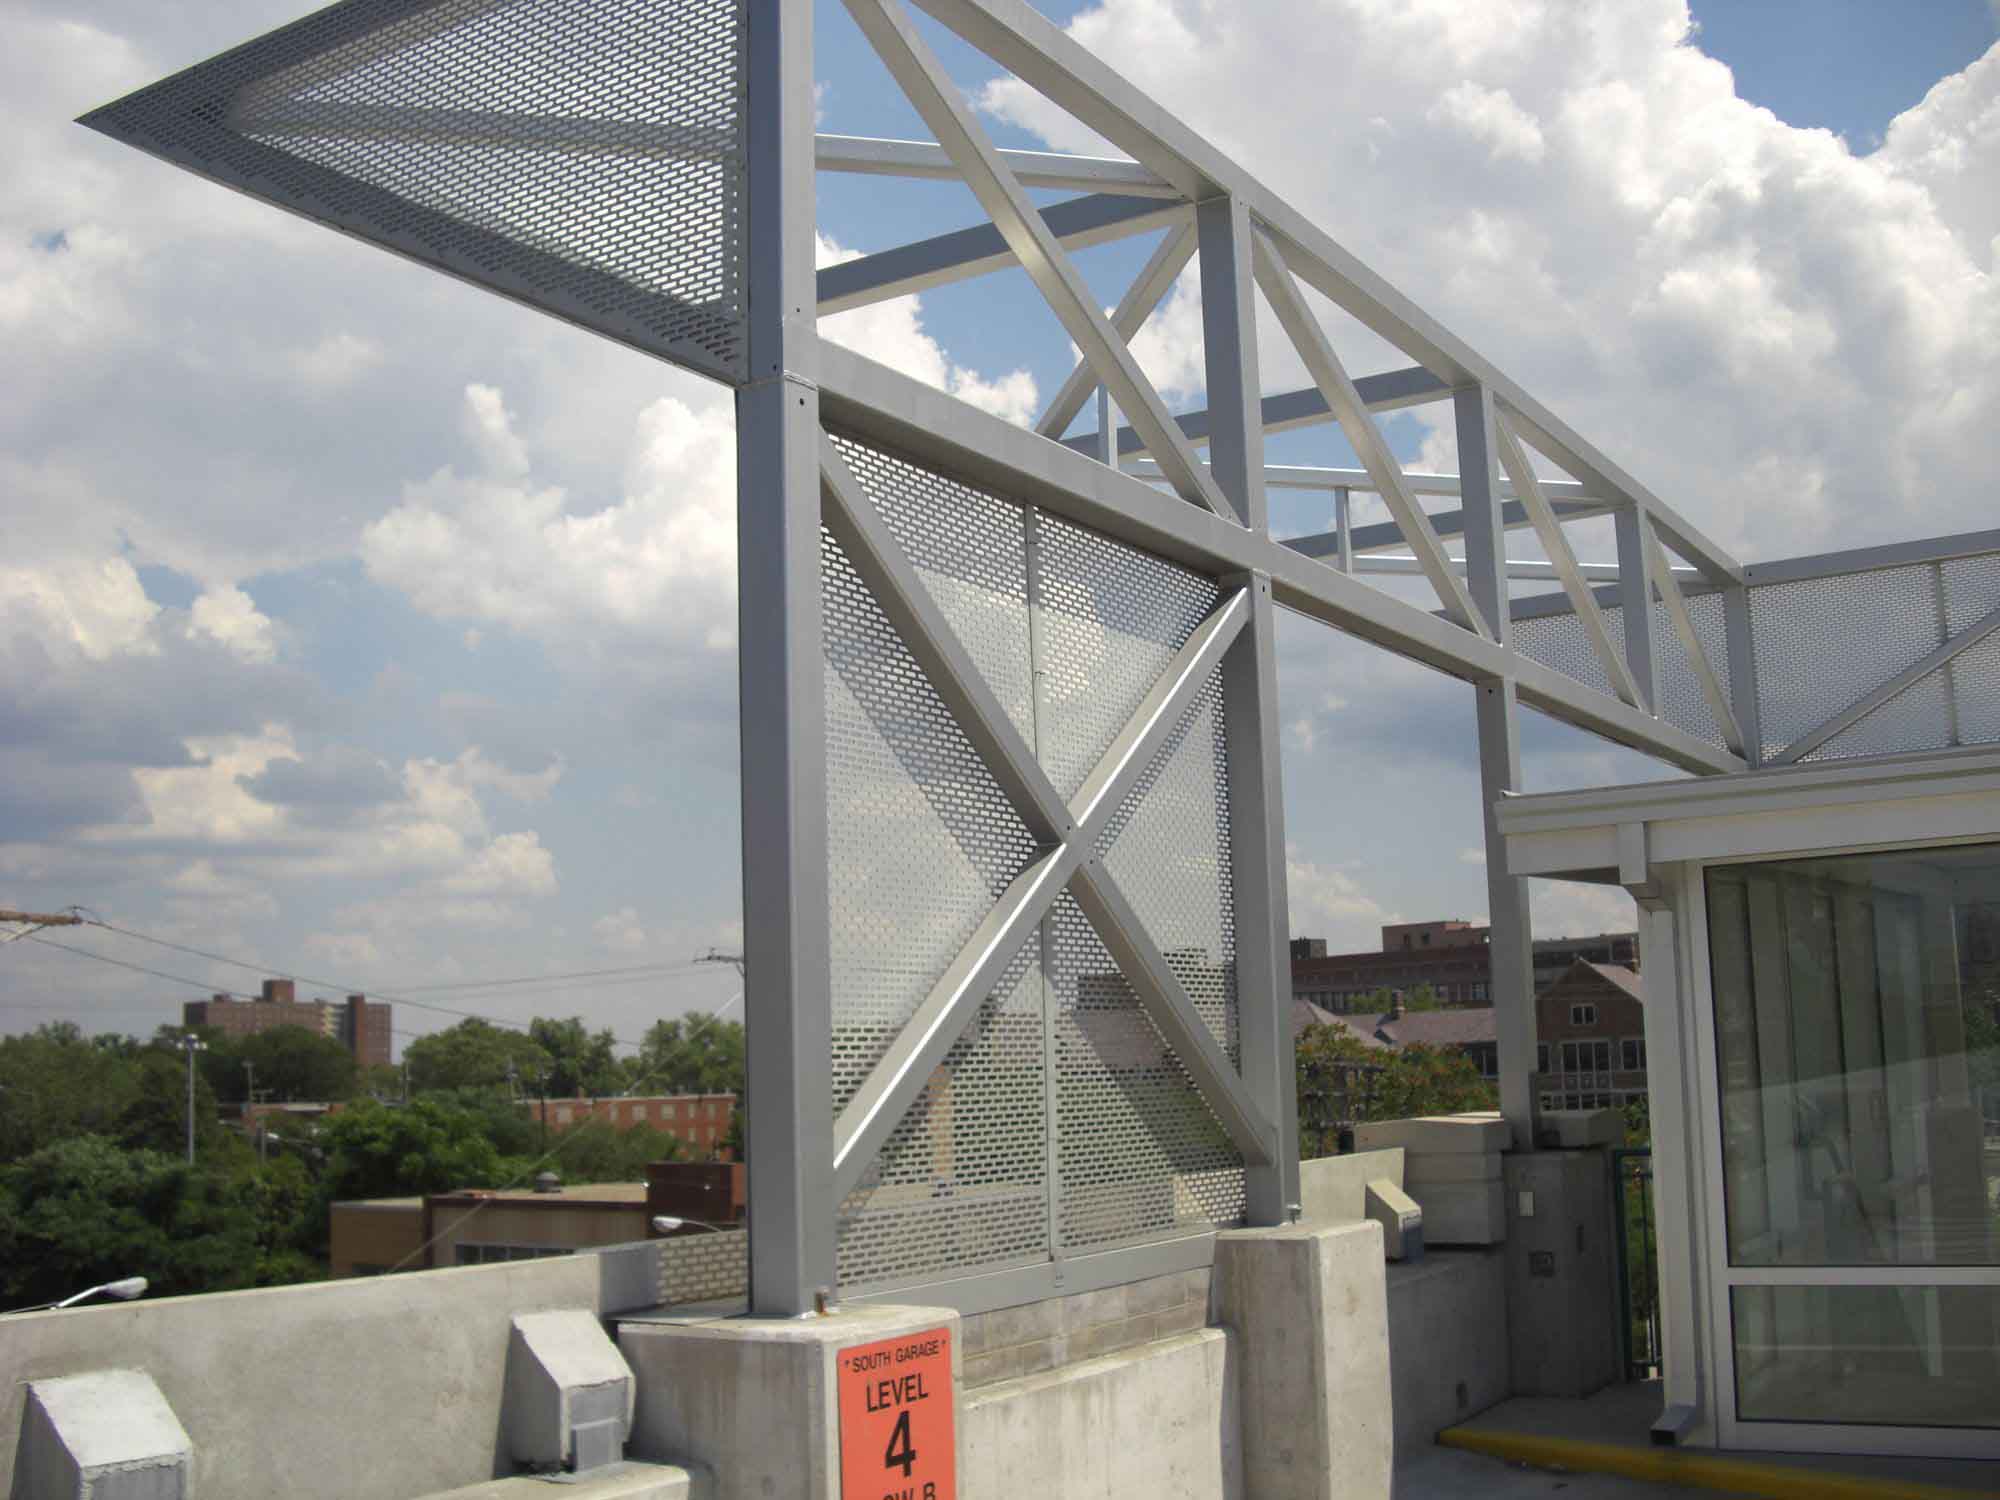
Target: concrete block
{"points": [[1433, 1133], [1463, 1213], [1424, 1168], [1562, 1297], [1579, 1129], [1154, 1422], [106, 1435], [628, 1277], [1334, 1189], [1448, 1351], [569, 1393], [1309, 1310], [1401, 1220], [755, 1401]]}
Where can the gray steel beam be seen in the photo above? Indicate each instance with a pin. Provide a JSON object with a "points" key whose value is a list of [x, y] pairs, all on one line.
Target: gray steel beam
{"points": [[1358, 423], [876, 556], [1549, 530], [787, 997], [1229, 353], [1165, 1000], [1390, 390], [1152, 283], [1511, 934], [872, 401], [964, 253], [1696, 653], [1049, 60], [1035, 169], [1635, 598], [908, 57], [1743, 670], [1263, 925]]}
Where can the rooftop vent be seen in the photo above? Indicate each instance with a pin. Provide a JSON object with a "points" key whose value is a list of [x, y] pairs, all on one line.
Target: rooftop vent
{"points": [[547, 1182]]}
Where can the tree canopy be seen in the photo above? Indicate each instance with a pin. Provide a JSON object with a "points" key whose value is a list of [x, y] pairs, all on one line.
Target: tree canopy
{"points": [[1342, 1080], [691, 1054], [475, 1054]]}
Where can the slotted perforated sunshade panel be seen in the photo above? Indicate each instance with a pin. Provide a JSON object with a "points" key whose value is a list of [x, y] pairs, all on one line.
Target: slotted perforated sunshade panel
{"points": [[584, 157], [1060, 1120], [1559, 641]]}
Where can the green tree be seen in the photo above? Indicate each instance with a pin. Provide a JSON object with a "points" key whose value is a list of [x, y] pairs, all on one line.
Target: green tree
{"points": [[87, 1210], [55, 1084], [474, 1054], [155, 1118], [580, 1060], [691, 1054], [295, 1064], [429, 1146], [1342, 1080], [597, 1151]]}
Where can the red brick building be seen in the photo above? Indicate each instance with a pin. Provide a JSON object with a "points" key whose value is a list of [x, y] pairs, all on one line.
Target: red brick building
{"points": [[359, 1024], [699, 1121], [1593, 1038]]}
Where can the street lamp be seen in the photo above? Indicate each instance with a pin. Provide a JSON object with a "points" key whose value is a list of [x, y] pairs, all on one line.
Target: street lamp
{"points": [[124, 1290], [669, 1223], [191, 1044]]}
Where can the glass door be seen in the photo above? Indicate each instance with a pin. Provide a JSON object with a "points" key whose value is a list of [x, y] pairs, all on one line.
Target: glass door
{"points": [[1856, 1069]]}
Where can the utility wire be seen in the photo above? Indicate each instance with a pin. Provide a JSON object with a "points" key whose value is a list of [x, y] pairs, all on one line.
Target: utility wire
{"points": [[205, 985], [331, 984]]}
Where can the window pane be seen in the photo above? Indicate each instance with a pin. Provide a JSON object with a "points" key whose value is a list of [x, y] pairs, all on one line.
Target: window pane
{"points": [[1893, 1356], [1859, 1057]]}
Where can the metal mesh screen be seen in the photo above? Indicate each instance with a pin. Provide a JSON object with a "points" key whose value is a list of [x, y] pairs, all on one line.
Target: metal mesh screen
{"points": [[1560, 642], [1060, 1120], [583, 156], [1823, 642]]}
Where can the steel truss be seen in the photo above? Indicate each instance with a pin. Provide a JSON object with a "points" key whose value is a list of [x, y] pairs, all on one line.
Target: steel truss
{"points": [[317, 119]]}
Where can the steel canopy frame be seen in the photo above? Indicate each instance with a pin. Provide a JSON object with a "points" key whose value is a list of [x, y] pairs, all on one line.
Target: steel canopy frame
{"points": [[250, 121]]}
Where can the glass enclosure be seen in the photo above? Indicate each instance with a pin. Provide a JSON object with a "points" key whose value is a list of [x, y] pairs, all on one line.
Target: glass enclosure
{"points": [[1858, 1059]]}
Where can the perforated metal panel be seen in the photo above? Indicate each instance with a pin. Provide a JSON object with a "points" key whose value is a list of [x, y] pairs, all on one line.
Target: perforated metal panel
{"points": [[1060, 1121], [583, 156], [1108, 619], [1823, 642], [1560, 642], [1976, 679], [1683, 699]]}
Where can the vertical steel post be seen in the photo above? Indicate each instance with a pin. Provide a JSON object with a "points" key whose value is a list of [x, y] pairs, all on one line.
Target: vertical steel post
{"points": [[1742, 643], [1343, 527], [1635, 594], [1250, 710], [1510, 943], [788, 1126]]}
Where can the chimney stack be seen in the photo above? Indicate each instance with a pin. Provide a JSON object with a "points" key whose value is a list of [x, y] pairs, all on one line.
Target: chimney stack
{"points": [[279, 991]]}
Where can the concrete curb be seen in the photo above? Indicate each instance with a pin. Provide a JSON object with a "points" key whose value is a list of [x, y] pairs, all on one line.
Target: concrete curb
{"points": [[1704, 1471]]}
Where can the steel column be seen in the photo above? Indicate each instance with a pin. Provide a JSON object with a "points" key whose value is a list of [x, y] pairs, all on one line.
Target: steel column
{"points": [[1510, 944], [1635, 595], [787, 998]]}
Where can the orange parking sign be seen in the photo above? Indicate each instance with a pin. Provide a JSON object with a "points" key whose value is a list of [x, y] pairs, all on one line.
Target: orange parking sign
{"points": [[897, 1440]]}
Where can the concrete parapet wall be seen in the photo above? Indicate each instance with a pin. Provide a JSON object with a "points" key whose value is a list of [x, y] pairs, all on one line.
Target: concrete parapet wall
{"points": [[1016, 1341], [1310, 1312], [379, 1389], [1334, 1189], [1155, 1422], [755, 1400], [1448, 1353]]}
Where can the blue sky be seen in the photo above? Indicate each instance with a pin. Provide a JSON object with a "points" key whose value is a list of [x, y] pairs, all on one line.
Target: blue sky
{"points": [[361, 626]]}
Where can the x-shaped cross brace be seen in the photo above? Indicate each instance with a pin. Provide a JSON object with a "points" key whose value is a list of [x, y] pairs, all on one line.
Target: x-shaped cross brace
{"points": [[1067, 831]]}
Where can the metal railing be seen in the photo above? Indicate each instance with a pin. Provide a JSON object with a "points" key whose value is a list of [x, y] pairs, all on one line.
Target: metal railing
{"points": [[1638, 1262]]}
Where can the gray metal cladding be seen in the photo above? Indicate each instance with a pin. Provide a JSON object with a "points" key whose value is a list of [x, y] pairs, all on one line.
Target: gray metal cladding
{"points": [[585, 158]]}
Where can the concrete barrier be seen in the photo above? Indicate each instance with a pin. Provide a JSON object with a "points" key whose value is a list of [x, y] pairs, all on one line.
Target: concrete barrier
{"points": [[376, 1389], [1154, 1422]]}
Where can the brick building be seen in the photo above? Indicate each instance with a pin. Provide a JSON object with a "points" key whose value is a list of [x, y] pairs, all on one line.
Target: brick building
{"points": [[359, 1024], [1592, 1027], [699, 1121], [1451, 957]]}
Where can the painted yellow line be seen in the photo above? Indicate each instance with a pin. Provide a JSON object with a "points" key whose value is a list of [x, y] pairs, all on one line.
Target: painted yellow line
{"points": [[1705, 1471]]}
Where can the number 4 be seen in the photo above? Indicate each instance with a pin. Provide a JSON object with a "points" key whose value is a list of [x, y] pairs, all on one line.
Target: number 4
{"points": [[905, 1460]]}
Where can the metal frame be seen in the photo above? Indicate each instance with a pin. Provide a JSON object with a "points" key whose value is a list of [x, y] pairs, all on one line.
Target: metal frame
{"points": [[792, 389], [1659, 841]]}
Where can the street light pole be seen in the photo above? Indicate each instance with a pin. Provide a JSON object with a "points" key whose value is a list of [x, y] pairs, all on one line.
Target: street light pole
{"points": [[191, 1044]]}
